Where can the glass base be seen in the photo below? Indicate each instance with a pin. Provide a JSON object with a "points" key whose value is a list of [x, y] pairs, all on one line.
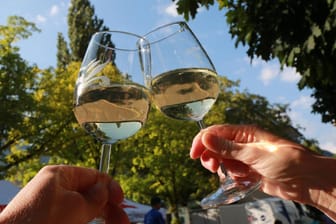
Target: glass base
{"points": [[229, 192]]}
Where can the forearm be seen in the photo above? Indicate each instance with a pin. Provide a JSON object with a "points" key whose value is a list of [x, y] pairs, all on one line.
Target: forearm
{"points": [[322, 189]]}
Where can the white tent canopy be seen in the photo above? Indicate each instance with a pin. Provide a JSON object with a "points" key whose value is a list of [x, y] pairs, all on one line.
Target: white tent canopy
{"points": [[7, 191], [135, 211]]}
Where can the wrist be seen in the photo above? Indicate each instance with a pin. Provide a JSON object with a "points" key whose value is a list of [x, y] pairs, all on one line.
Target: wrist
{"points": [[322, 189]]}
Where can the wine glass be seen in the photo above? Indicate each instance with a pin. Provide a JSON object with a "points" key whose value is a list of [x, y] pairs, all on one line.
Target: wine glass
{"points": [[111, 102], [184, 85]]}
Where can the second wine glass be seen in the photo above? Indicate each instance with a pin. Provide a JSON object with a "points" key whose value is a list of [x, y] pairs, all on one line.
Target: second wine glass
{"points": [[111, 102], [184, 85]]}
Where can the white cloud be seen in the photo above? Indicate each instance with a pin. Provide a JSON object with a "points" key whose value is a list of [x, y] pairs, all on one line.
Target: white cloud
{"points": [[54, 10], [256, 62], [40, 19], [289, 75], [167, 12], [300, 111], [311, 123], [330, 146], [55, 14], [303, 102], [268, 73], [201, 9], [171, 10]]}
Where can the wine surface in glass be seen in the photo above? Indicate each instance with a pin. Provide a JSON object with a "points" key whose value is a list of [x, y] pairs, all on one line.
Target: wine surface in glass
{"points": [[112, 113], [185, 94]]}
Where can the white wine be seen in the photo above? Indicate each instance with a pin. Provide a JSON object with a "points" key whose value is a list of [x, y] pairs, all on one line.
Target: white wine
{"points": [[185, 94], [112, 113]]}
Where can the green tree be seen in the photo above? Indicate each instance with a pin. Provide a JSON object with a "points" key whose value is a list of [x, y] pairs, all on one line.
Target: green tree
{"points": [[300, 34], [157, 163], [54, 137], [16, 76], [17, 82], [50, 134], [82, 23], [63, 54]]}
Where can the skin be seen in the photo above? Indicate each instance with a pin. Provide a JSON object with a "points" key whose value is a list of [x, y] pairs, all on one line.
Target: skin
{"points": [[286, 169], [66, 194]]}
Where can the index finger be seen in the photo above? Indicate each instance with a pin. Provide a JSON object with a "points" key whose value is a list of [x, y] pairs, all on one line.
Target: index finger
{"points": [[228, 132], [81, 178], [197, 146], [77, 178]]}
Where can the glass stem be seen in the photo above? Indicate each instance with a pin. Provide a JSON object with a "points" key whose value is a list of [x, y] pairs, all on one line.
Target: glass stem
{"points": [[105, 158], [201, 124]]}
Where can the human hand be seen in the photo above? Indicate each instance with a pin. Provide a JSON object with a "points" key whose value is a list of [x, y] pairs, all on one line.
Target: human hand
{"points": [[285, 168], [66, 194]]}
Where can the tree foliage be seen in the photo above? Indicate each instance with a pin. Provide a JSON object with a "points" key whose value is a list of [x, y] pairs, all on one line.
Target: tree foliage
{"points": [[63, 53], [50, 134], [16, 75], [37, 103], [82, 23], [37, 122], [300, 34], [17, 83], [160, 163]]}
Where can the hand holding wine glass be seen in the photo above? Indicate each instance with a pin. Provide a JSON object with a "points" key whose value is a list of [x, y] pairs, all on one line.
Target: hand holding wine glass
{"points": [[110, 98], [184, 85]]}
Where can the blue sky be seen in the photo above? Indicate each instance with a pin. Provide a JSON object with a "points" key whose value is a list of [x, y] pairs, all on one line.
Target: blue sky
{"points": [[257, 77]]}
